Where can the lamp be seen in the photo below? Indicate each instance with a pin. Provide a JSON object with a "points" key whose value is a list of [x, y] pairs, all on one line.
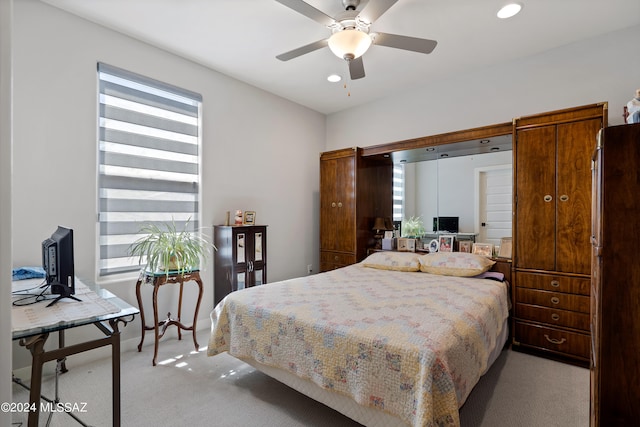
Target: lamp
{"points": [[379, 227], [349, 43]]}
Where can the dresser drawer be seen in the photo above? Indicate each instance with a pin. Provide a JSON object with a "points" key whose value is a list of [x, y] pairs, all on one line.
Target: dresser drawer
{"points": [[570, 343], [549, 282], [553, 300], [568, 319], [332, 260]]}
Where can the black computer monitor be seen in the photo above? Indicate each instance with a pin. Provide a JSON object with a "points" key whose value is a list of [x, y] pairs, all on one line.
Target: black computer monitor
{"points": [[446, 223], [58, 263]]}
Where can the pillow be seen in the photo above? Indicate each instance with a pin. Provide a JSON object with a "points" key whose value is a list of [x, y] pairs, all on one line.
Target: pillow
{"points": [[389, 260], [459, 264]]}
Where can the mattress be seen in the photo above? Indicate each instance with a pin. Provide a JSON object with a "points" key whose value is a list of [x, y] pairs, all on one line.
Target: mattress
{"points": [[410, 345]]}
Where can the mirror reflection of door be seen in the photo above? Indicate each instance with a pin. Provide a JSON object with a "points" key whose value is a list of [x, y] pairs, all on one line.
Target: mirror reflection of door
{"points": [[494, 189]]}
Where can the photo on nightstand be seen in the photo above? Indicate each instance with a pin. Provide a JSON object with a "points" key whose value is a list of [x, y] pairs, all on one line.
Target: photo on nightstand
{"points": [[506, 243], [464, 246], [485, 249], [446, 243], [406, 245]]}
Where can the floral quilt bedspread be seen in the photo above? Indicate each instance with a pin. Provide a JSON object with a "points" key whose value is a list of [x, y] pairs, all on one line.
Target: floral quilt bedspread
{"points": [[412, 344]]}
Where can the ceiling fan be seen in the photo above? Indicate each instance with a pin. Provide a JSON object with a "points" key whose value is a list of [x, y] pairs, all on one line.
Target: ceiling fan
{"points": [[350, 36]]}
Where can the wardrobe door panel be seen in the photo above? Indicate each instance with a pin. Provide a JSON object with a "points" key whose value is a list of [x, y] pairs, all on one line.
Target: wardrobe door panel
{"points": [[535, 198], [575, 148]]}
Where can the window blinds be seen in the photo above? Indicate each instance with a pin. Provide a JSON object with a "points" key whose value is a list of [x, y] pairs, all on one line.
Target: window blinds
{"points": [[149, 139], [398, 192]]}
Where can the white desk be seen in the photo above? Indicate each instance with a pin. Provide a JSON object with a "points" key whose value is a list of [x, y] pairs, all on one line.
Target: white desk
{"points": [[32, 324]]}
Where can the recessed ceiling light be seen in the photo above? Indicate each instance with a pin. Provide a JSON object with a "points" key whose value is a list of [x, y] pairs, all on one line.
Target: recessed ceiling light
{"points": [[509, 10], [334, 78]]}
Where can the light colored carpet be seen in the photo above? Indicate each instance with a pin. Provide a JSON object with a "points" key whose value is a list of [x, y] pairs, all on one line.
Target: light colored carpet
{"points": [[187, 388]]}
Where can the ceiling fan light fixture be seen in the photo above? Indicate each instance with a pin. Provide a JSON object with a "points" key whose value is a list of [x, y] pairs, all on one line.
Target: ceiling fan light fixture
{"points": [[349, 43], [509, 10]]}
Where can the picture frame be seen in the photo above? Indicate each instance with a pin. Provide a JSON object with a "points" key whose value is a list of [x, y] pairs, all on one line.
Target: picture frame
{"points": [[485, 249], [406, 245], [446, 243], [506, 247], [434, 245], [249, 218], [465, 246]]}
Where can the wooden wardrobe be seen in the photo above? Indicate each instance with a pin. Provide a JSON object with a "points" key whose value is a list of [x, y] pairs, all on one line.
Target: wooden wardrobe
{"points": [[615, 294], [552, 229], [353, 191]]}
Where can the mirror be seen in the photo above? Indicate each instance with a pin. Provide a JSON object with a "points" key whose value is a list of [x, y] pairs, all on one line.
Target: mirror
{"points": [[470, 181]]}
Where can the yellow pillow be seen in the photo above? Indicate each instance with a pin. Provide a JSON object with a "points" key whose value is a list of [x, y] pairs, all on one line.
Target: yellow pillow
{"points": [[459, 264], [397, 261]]}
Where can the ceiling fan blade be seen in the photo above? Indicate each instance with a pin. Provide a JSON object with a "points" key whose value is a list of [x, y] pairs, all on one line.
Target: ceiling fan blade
{"points": [[404, 42], [356, 68], [302, 50], [375, 9], [308, 11]]}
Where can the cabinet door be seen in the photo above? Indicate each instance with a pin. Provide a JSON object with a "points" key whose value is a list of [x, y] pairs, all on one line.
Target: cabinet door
{"points": [[576, 142], [258, 266], [536, 198], [337, 204]]}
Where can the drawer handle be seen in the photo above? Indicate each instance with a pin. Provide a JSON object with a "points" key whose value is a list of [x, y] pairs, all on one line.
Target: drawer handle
{"points": [[548, 198], [555, 317], [335, 258], [333, 204], [555, 300], [555, 341], [555, 283], [564, 198], [339, 204]]}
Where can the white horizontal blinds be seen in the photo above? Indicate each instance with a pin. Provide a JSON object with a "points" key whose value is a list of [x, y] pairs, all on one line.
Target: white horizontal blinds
{"points": [[398, 192], [148, 161]]}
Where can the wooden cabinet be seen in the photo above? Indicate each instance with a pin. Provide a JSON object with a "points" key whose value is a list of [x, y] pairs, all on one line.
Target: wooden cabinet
{"points": [[552, 227], [615, 294], [354, 190], [241, 259]]}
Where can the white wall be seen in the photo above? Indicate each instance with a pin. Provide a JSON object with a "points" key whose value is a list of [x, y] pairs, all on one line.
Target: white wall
{"points": [[601, 69], [6, 14], [260, 152]]}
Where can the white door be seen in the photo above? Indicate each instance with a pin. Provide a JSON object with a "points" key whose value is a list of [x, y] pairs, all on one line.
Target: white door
{"points": [[494, 188]]}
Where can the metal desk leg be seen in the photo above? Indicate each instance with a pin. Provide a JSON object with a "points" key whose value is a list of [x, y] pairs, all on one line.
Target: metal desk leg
{"points": [[35, 345], [115, 371]]}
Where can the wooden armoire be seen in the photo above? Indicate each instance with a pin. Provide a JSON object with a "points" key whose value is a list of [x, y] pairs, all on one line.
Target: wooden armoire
{"points": [[354, 190], [552, 229], [615, 294]]}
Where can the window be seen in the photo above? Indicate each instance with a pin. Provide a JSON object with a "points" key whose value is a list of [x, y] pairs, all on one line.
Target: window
{"points": [[149, 141], [398, 192]]}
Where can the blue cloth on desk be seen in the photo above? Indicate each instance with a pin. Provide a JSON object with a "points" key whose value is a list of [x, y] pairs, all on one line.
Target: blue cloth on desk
{"points": [[22, 273]]}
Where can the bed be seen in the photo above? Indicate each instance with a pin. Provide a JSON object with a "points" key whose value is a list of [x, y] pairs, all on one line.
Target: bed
{"points": [[398, 339]]}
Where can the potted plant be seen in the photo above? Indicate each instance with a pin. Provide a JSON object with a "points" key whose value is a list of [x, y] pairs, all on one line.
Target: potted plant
{"points": [[166, 249], [412, 227]]}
